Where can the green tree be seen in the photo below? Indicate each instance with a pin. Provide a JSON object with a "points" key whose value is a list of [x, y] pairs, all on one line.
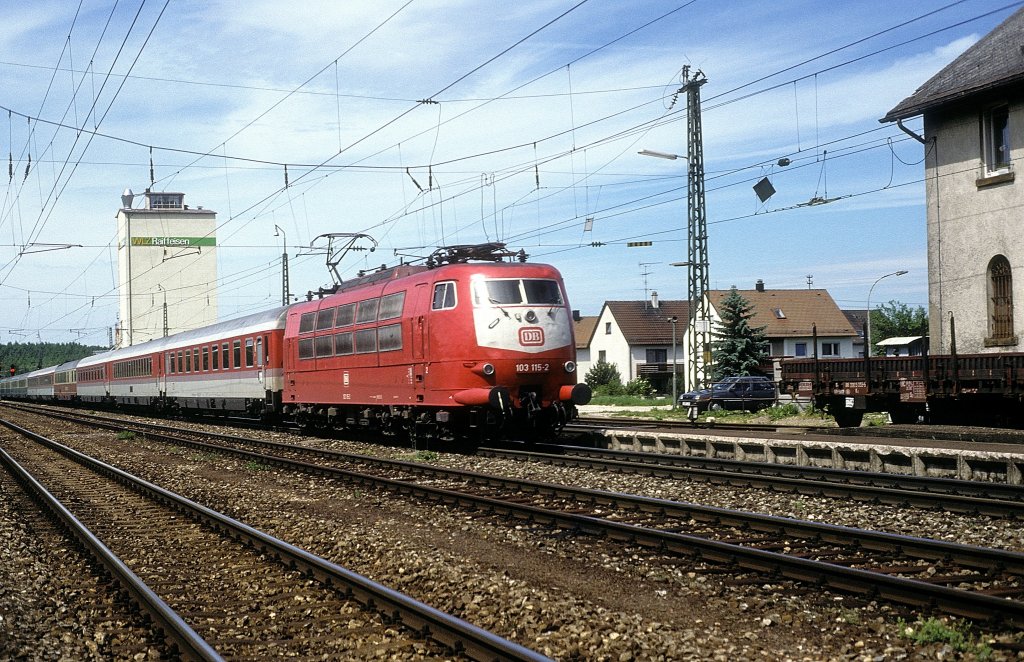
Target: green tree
{"points": [[27, 357], [739, 348], [896, 319]]}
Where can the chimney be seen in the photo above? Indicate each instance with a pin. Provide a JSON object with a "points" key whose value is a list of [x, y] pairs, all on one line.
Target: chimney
{"points": [[575, 316], [654, 300], [759, 285]]}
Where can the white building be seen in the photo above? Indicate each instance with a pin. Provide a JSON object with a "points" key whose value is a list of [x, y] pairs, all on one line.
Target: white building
{"points": [[167, 267], [974, 135]]}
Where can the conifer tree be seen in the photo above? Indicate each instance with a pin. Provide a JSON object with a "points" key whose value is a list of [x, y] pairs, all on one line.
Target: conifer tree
{"points": [[739, 348]]}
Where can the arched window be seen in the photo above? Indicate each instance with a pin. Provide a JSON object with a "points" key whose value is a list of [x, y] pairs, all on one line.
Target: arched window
{"points": [[1000, 299]]}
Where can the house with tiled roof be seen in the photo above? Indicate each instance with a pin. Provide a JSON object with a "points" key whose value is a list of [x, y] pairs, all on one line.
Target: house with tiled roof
{"points": [[792, 317], [858, 319], [973, 112], [583, 329], [636, 336]]}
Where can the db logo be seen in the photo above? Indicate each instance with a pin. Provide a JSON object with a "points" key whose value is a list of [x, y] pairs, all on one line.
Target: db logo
{"points": [[531, 335]]}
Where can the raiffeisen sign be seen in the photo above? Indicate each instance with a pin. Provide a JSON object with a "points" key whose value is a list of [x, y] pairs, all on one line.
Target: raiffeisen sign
{"points": [[174, 241]]}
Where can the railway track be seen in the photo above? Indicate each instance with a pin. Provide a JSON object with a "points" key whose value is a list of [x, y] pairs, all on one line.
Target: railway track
{"points": [[218, 588], [960, 496], [596, 424], [974, 582]]}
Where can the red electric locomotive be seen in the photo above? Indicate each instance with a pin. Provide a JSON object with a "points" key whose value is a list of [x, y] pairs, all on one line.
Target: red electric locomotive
{"points": [[454, 349]]}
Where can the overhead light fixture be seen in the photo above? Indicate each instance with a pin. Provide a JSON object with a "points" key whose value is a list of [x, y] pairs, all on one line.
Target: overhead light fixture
{"points": [[661, 155], [783, 162]]}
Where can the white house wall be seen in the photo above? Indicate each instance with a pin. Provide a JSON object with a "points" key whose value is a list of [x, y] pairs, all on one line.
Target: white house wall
{"points": [[613, 344], [968, 224]]}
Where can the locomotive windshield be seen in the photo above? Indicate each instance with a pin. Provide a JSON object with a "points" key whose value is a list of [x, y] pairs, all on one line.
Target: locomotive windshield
{"points": [[516, 291]]}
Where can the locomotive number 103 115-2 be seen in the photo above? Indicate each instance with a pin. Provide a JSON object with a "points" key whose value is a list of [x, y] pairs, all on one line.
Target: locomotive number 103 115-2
{"points": [[533, 367]]}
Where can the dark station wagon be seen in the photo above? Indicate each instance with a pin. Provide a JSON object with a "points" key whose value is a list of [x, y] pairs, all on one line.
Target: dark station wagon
{"points": [[752, 393]]}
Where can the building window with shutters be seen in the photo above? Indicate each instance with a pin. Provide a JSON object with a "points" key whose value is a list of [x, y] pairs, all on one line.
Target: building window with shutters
{"points": [[1000, 303], [996, 136]]}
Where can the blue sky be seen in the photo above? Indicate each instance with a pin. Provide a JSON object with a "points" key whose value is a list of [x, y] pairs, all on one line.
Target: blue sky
{"points": [[536, 113]]}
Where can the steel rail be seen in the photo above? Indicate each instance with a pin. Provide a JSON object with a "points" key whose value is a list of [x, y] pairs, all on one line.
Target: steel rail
{"points": [[455, 633], [189, 644], [953, 495], [899, 589]]}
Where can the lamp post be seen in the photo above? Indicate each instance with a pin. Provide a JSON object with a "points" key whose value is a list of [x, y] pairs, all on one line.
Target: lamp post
{"points": [[675, 394], [867, 346], [285, 294]]}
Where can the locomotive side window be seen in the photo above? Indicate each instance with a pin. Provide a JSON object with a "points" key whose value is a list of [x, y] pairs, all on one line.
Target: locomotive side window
{"points": [[391, 306], [215, 357], [343, 344], [237, 351], [325, 319], [444, 296], [389, 337], [324, 346], [366, 341], [250, 352], [306, 348], [346, 315], [306, 322], [367, 311]]}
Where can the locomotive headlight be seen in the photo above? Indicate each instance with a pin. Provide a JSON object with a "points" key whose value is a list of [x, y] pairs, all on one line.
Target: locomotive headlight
{"points": [[531, 317], [570, 366], [488, 369]]}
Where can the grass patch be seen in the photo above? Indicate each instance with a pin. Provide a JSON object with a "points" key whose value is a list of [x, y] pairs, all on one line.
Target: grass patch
{"points": [[253, 465], [629, 401], [423, 456], [957, 636], [125, 435]]}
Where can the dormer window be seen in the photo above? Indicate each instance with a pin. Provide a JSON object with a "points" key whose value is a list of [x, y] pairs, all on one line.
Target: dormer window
{"points": [[779, 314], [996, 137]]}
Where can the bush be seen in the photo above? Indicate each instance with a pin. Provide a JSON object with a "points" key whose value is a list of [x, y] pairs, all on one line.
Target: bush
{"points": [[610, 389], [639, 387], [603, 373], [787, 410]]}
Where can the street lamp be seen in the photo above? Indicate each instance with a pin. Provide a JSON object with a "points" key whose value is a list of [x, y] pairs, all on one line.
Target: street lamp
{"points": [[867, 346], [675, 394], [285, 294], [661, 155]]}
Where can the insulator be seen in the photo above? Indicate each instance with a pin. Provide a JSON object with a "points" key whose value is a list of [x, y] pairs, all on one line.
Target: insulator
{"points": [[28, 166], [286, 175]]}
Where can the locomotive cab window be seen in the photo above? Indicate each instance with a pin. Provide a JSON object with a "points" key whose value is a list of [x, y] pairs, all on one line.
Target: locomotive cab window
{"points": [[514, 291], [444, 296]]}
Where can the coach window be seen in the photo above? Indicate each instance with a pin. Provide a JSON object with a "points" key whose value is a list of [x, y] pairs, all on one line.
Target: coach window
{"points": [[215, 357], [236, 348], [181, 362], [224, 353], [325, 319], [195, 358], [259, 351], [346, 315], [188, 361], [307, 322], [250, 353], [206, 358], [172, 365], [444, 296], [367, 311]]}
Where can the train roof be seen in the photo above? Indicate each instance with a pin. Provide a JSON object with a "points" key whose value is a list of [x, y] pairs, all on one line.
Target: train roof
{"points": [[266, 320], [70, 365]]}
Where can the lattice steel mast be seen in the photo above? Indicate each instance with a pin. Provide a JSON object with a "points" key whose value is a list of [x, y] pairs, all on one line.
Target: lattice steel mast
{"points": [[697, 269]]}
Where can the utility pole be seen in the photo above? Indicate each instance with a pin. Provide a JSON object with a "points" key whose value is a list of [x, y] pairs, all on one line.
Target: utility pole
{"points": [[697, 269], [285, 293]]}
